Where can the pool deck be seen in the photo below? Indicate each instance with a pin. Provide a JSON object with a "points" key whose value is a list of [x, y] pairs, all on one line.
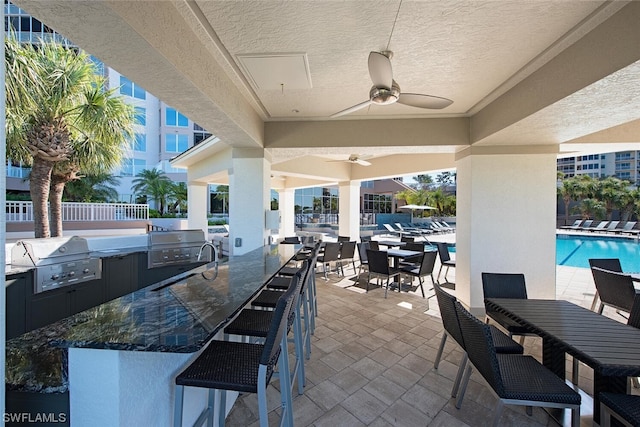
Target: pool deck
{"points": [[372, 361]]}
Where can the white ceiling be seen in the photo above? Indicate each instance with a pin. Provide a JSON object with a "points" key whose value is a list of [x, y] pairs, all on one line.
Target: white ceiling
{"points": [[520, 73]]}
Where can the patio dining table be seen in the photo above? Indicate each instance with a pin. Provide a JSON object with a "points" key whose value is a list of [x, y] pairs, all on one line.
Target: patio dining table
{"points": [[611, 348]]}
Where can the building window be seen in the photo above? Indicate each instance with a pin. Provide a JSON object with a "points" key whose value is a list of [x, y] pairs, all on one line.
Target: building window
{"points": [[141, 116], [175, 118], [132, 167], [129, 88], [140, 142], [176, 143], [377, 203]]}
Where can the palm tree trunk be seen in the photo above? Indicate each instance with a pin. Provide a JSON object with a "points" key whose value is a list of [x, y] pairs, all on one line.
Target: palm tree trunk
{"points": [[55, 204], [39, 182]]}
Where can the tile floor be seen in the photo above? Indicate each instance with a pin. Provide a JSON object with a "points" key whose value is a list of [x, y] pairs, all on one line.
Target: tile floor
{"points": [[372, 363]]}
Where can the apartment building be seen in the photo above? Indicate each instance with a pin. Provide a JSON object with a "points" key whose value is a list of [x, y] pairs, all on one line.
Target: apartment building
{"points": [[161, 132], [622, 164]]}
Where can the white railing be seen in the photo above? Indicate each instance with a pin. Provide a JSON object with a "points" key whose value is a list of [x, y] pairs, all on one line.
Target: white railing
{"points": [[72, 211]]}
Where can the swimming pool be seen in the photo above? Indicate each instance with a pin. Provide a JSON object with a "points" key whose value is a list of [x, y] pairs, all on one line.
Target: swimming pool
{"points": [[575, 251]]}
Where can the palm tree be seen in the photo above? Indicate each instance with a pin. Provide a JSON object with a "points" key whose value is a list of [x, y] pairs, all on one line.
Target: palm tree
{"points": [[155, 185], [57, 111], [92, 188], [568, 191], [611, 194], [178, 197]]}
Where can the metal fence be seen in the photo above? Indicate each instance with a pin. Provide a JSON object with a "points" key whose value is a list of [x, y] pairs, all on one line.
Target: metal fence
{"points": [[73, 211]]}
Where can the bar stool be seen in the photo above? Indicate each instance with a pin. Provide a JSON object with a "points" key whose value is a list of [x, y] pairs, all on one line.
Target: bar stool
{"points": [[243, 367], [254, 323]]}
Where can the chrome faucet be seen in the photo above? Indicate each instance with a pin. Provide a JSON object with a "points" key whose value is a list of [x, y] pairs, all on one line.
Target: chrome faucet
{"points": [[214, 251], [214, 258]]}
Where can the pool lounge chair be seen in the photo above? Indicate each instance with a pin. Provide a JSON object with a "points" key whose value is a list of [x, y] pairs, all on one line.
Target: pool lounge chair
{"points": [[576, 225], [611, 227], [600, 227], [585, 225], [630, 229], [392, 230]]}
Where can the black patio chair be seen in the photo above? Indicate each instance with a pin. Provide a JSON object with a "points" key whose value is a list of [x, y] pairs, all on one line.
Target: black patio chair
{"points": [[331, 254], [422, 269], [379, 268], [347, 254], [615, 289], [362, 254], [625, 408], [514, 379], [505, 285], [445, 259], [446, 304], [611, 264]]}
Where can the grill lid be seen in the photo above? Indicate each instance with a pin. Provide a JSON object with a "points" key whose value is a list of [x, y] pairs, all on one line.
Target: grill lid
{"points": [[37, 252]]}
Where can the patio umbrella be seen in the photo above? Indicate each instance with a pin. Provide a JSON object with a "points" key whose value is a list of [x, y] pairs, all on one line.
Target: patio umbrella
{"points": [[416, 207]]}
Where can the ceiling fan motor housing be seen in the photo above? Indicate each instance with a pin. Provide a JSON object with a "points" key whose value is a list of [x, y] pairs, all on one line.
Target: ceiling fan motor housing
{"points": [[383, 96]]}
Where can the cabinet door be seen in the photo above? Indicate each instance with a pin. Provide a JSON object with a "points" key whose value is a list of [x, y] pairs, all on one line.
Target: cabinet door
{"points": [[120, 275], [17, 288], [86, 295], [48, 307]]}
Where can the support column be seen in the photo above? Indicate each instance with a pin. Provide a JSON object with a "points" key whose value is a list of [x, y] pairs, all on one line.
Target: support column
{"points": [[198, 196], [249, 199], [286, 205], [349, 208], [506, 216]]}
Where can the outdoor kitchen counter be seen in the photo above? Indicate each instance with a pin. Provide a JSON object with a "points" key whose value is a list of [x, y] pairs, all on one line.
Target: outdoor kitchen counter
{"points": [[168, 318]]}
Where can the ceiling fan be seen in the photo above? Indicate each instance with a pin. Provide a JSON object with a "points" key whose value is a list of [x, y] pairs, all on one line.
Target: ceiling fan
{"points": [[354, 158], [386, 91]]}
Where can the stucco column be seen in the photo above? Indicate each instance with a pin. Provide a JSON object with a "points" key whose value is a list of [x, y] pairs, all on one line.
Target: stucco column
{"points": [[349, 207], [249, 199], [197, 196], [506, 216], [286, 205]]}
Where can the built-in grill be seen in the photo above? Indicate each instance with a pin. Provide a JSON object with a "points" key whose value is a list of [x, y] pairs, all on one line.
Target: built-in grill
{"points": [[58, 261], [176, 247]]}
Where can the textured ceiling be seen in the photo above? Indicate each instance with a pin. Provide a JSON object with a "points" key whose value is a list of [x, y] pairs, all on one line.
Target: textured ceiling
{"points": [[461, 50]]}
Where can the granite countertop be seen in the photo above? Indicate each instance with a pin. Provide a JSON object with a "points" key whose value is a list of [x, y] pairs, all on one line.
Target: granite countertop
{"points": [[180, 318]]}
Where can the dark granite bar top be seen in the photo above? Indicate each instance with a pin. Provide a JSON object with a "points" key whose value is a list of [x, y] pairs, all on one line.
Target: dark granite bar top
{"points": [[180, 318]]}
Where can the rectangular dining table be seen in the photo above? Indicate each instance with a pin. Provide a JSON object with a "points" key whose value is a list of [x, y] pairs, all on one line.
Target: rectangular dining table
{"points": [[611, 348]]}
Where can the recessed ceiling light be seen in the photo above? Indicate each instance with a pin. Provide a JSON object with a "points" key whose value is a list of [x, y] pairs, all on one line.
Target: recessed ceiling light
{"points": [[295, 111]]}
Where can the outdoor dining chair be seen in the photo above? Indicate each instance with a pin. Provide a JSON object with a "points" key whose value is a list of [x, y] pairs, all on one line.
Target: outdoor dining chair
{"points": [[515, 379], [615, 289], [422, 269], [445, 260], [331, 254], [362, 254], [625, 408], [347, 254], [611, 264], [505, 285], [379, 267], [446, 304]]}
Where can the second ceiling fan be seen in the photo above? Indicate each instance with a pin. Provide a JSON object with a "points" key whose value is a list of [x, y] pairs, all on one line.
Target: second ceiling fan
{"points": [[386, 91]]}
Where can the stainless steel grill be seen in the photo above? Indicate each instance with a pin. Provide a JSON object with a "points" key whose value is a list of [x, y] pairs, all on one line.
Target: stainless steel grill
{"points": [[176, 247], [58, 261]]}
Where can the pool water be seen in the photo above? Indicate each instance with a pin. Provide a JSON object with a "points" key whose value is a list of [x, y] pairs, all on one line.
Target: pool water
{"points": [[575, 251]]}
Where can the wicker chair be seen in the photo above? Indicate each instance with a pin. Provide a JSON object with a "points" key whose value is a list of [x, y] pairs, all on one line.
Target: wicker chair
{"points": [[624, 407], [611, 264], [505, 285], [424, 268], [331, 254], [446, 304], [347, 254], [243, 367], [514, 379], [445, 260], [379, 268]]}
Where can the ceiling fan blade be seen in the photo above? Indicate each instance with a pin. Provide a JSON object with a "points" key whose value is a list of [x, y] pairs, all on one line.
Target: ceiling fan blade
{"points": [[362, 162], [424, 101], [380, 70], [351, 109]]}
